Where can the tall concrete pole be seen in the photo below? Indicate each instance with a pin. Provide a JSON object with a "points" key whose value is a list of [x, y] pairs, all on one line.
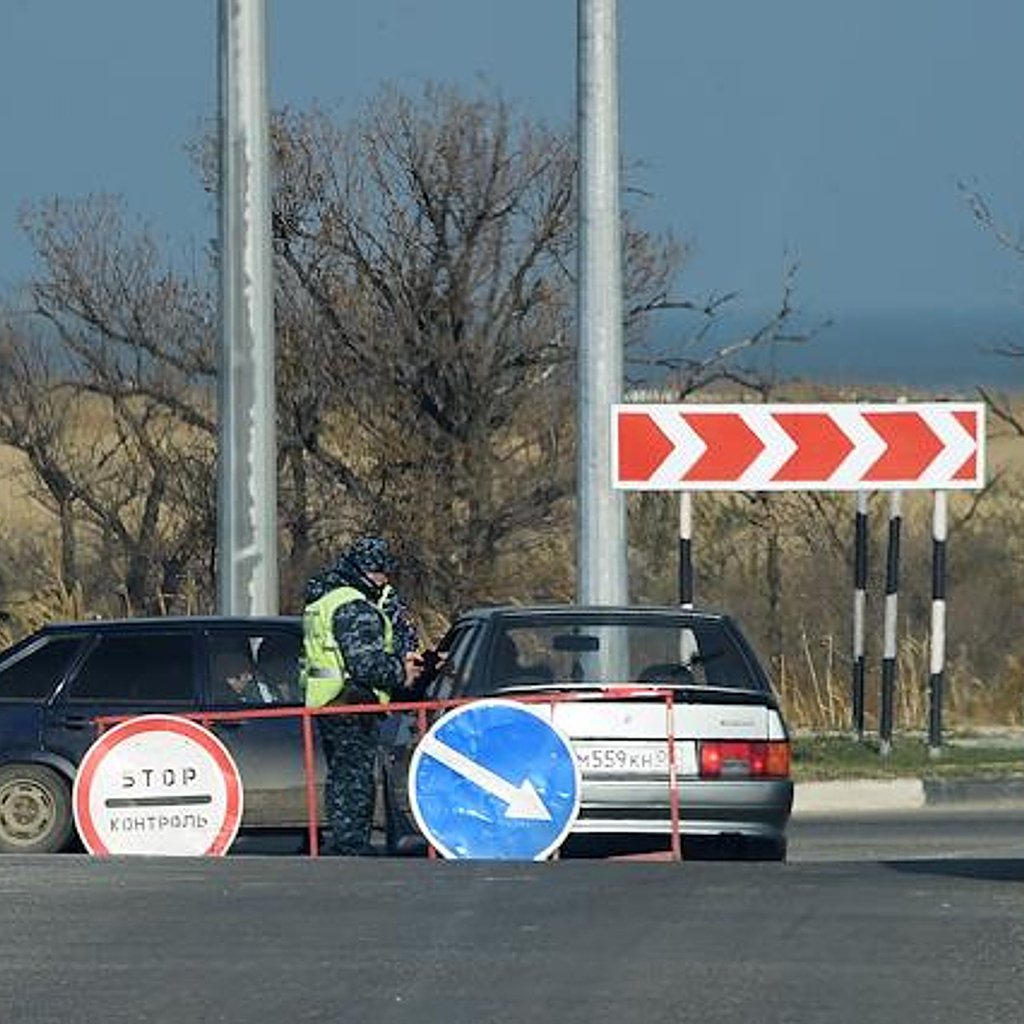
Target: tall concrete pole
{"points": [[247, 457], [601, 576]]}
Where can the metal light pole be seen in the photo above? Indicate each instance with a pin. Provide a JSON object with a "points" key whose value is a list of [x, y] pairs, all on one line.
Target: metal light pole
{"points": [[247, 457], [601, 576]]}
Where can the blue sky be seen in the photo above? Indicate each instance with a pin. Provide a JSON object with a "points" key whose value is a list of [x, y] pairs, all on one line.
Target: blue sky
{"points": [[833, 134]]}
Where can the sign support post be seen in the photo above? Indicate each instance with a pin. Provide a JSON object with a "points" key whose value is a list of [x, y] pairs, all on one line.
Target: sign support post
{"points": [[938, 634], [860, 583], [686, 549], [892, 586]]}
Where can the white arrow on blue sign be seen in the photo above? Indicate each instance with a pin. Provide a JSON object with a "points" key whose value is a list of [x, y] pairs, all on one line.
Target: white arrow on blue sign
{"points": [[494, 780]]}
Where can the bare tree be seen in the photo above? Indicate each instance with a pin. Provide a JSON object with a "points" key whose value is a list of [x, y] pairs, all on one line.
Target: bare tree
{"points": [[425, 357], [432, 238], [117, 417], [999, 403], [37, 414]]}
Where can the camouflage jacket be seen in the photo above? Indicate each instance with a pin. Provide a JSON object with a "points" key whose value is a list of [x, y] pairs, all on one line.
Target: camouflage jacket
{"points": [[360, 637]]}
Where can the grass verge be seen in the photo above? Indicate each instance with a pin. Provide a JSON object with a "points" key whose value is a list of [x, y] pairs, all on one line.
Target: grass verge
{"points": [[819, 758]]}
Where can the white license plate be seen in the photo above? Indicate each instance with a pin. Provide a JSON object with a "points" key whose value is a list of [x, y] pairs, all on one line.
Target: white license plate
{"points": [[627, 758]]}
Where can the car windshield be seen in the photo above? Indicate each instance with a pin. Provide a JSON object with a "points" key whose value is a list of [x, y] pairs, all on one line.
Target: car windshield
{"points": [[601, 653]]}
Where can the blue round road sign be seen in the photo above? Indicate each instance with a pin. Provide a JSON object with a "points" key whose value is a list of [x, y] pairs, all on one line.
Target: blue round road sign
{"points": [[494, 780]]}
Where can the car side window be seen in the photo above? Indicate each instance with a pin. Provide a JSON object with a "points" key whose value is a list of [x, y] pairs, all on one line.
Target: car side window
{"points": [[253, 669], [455, 647], [34, 673], [277, 666], [144, 668]]}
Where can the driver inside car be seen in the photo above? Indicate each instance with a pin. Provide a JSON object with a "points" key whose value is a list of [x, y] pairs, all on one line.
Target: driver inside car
{"points": [[236, 676]]}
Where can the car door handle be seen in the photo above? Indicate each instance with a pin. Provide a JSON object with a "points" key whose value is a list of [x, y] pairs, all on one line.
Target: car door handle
{"points": [[76, 722]]}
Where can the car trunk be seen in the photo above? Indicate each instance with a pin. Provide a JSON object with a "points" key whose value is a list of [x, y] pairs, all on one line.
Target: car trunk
{"points": [[620, 737]]}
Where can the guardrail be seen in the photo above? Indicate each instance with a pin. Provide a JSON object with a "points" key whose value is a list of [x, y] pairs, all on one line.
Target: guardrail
{"points": [[422, 709]]}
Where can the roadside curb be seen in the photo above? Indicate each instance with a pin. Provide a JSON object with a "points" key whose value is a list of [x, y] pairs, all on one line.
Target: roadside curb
{"points": [[852, 796], [849, 796], [989, 791]]}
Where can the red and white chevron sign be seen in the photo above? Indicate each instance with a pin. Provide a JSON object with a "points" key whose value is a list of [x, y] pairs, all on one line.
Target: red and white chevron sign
{"points": [[795, 447]]}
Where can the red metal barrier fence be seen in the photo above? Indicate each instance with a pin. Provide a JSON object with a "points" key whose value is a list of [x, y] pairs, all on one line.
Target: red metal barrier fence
{"points": [[422, 709]]}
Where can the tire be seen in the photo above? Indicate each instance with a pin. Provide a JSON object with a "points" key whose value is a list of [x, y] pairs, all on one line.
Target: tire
{"points": [[35, 809]]}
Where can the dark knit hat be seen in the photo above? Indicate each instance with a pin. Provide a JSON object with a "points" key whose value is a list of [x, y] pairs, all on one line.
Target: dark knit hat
{"points": [[370, 554]]}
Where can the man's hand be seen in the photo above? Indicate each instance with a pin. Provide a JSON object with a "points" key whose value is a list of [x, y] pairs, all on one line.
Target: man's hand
{"points": [[413, 668]]}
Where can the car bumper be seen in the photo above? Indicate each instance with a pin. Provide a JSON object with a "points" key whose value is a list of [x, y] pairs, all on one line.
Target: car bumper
{"points": [[758, 808]]}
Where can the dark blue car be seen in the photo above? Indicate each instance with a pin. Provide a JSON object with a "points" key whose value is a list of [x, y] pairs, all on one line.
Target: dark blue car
{"points": [[54, 684]]}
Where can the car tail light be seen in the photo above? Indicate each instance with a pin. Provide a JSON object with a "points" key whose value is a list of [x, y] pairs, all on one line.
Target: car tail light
{"points": [[741, 759]]}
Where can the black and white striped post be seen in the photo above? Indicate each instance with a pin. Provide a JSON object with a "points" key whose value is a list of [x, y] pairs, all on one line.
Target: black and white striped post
{"points": [[892, 581], [686, 549], [860, 587], [938, 637]]}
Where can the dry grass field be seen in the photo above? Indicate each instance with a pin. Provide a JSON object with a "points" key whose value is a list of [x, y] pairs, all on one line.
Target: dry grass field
{"points": [[1004, 451], [17, 510]]}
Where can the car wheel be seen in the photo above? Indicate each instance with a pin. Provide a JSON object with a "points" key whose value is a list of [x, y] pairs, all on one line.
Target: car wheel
{"points": [[35, 809]]}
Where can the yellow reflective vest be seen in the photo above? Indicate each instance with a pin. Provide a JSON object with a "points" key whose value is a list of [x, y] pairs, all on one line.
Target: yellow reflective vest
{"points": [[323, 666]]}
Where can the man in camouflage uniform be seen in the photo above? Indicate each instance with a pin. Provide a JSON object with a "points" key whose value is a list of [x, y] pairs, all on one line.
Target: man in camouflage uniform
{"points": [[377, 664], [407, 637]]}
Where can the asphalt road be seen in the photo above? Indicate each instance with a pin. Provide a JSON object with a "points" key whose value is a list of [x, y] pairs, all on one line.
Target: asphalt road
{"points": [[872, 921], [989, 833]]}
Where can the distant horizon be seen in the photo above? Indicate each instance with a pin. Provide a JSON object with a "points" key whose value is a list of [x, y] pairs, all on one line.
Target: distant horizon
{"points": [[889, 347]]}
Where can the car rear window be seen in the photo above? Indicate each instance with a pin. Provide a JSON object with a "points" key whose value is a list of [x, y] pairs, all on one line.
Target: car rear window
{"points": [[33, 674], [151, 668], [701, 653]]}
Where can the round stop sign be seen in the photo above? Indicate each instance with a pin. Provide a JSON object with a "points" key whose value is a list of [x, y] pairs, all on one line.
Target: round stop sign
{"points": [[158, 785]]}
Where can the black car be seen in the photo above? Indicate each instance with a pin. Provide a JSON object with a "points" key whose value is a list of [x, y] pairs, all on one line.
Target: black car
{"points": [[608, 670], [56, 682]]}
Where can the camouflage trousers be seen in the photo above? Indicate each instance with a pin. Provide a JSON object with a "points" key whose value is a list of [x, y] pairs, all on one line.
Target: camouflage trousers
{"points": [[350, 749]]}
